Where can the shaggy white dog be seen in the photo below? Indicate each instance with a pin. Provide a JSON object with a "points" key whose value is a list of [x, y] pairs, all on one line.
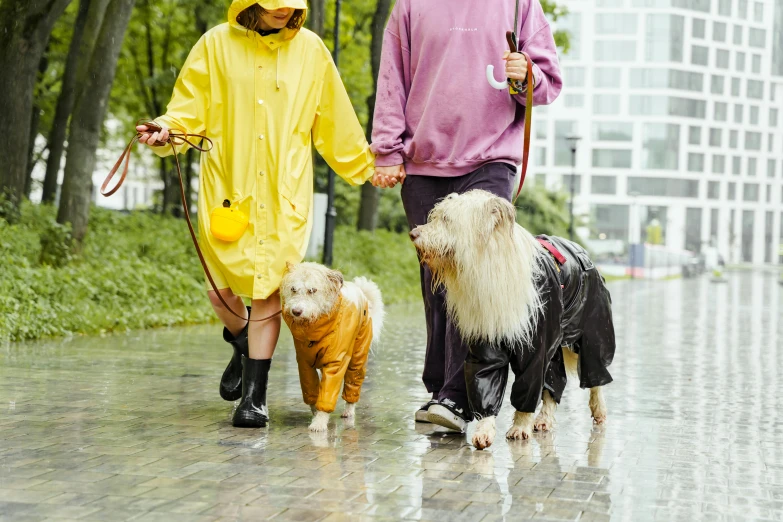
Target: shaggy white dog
{"points": [[334, 324], [505, 293]]}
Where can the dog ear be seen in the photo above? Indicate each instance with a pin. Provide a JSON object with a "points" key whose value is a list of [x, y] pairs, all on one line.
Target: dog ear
{"points": [[288, 267], [503, 212], [336, 279]]}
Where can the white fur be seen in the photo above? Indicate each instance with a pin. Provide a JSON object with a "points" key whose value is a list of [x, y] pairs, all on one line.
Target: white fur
{"points": [[545, 420], [376, 308], [349, 411], [522, 427], [484, 435], [320, 421], [487, 262]]}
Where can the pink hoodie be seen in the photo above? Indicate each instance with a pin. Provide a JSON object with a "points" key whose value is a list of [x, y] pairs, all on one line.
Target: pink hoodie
{"points": [[434, 109]]}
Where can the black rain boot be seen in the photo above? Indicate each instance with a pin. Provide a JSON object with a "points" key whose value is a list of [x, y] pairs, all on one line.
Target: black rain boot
{"points": [[252, 412], [231, 382]]}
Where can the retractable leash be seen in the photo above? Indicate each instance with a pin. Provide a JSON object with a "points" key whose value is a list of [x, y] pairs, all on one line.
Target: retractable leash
{"points": [[514, 88], [176, 137]]}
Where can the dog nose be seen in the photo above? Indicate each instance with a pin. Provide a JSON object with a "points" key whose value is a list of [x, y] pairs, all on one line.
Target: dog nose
{"points": [[296, 311], [414, 234]]}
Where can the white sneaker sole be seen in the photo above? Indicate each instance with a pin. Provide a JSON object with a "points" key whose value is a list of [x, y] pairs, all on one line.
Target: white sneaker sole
{"points": [[441, 416], [421, 416]]}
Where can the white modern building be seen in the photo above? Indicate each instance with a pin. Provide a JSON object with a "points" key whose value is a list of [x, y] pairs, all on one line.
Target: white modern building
{"points": [[678, 104]]}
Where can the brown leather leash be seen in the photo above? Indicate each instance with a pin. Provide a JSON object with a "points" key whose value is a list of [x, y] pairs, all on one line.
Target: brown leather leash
{"points": [[511, 38], [176, 137]]}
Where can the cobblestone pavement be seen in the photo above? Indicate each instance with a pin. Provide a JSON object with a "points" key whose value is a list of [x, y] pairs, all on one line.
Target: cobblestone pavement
{"points": [[131, 427]]}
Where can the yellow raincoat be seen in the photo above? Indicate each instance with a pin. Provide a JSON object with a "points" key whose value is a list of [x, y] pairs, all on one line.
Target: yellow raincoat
{"points": [[263, 101]]}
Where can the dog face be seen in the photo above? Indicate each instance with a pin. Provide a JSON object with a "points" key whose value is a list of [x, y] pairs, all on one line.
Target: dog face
{"points": [[461, 225], [309, 291]]}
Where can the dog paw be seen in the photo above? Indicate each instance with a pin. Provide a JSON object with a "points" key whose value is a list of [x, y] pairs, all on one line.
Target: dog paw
{"points": [[522, 427], [517, 433], [350, 411], [320, 422], [599, 417], [484, 435], [543, 423]]}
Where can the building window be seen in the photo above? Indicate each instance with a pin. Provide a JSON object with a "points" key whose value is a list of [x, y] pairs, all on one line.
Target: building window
{"points": [[735, 86], [540, 156], [695, 162], [612, 158], [736, 165], [606, 104], [769, 193], [664, 36], [713, 190], [722, 59], [773, 117], [714, 218], [733, 139], [574, 100], [732, 191], [563, 129], [716, 137], [768, 234], [716, 84], [661, 79], [756, 66], [742, 9], [755, 89], [758, 12], [612, 131], [737, 35], [541, 129], [615, 23], [721, 110], [719, 31], [700, 55], [752, 140], [661, 146], [748, 222], [673, 187], [693, 229], [572, 23], [757, 37], [698, 28], [607, 77], [752, 163], [577, 181], [738, 110], [771, 164], [724, 7], [718, 164], [754, 115], [615, 51], [750, 192], [574, 76], [603, 185], [694, 135], [611, 221]]}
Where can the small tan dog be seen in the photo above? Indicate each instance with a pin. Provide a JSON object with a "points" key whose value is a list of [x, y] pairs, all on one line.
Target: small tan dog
{"points": [[334, 323]]}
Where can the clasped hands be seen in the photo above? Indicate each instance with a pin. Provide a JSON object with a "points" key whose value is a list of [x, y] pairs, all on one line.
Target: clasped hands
{"points": [[388, 177]]}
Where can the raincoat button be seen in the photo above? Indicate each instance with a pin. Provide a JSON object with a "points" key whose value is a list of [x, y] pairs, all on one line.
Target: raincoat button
{"points": [[261, 173], [262, 206], [261, 137], [259, 276], [260, 102], [260, 241]]}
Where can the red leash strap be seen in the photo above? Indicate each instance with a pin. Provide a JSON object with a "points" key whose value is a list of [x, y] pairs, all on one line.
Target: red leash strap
{"points": [[531, 85], [560, 258], [176, 137]]}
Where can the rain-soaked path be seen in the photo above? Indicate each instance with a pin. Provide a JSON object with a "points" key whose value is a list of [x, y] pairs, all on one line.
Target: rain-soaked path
{"points": [[132, 427]]}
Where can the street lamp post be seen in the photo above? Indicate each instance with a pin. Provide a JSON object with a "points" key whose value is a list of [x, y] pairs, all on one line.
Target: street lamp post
{"points": [[331, 212], [573, 141]]}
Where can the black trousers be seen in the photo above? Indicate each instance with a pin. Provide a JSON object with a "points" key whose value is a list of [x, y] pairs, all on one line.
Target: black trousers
{"points": [[444, 374]]}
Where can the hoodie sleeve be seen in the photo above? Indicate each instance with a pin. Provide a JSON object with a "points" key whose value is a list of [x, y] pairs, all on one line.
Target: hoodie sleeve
{"points": [[337, 134], [394, 79], [535, 37], [188, 106]]}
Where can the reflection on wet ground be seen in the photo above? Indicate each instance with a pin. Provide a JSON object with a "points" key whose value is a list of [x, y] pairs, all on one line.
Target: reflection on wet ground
{"points": [[132, 427]]}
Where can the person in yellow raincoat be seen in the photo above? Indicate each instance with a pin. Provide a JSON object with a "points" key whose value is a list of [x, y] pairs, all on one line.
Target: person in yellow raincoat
{"points": [[263, 89]]}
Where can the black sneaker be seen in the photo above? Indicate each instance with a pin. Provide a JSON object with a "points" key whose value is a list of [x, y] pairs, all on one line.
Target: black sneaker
{"points": [[446, 413], [421, 413]]}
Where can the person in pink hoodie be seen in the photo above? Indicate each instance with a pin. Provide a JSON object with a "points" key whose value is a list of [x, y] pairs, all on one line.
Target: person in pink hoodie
{"points": [[439, 127]]}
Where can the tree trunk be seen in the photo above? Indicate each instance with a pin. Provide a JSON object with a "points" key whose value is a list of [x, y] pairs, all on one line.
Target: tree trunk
{"points": [[316, 16], [88, 115], [79, 51], [368, 206], [25, 26]]}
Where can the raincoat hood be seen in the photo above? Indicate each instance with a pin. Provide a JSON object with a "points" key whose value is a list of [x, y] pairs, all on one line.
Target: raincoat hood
{"points": [[237, 6]]}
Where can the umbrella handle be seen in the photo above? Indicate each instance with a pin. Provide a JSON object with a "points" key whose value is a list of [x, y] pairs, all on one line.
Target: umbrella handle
{"points": [[493, 82]]}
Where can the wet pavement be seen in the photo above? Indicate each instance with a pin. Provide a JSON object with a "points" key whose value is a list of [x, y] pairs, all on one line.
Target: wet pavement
{"points": [[131, 427]]}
